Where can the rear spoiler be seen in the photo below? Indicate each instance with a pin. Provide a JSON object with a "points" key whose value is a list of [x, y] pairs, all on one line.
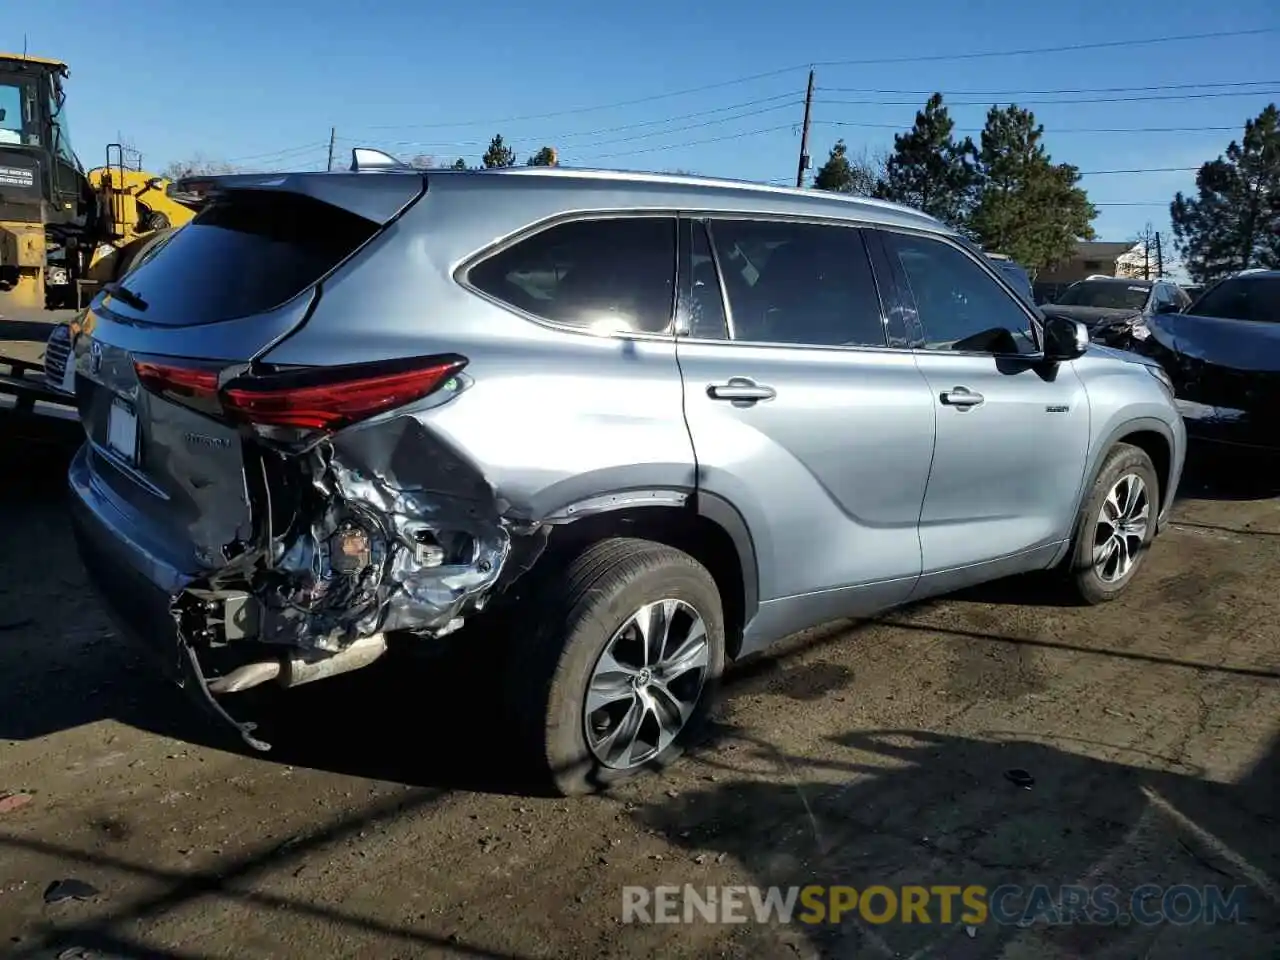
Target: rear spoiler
{"points": [[378, 199]]}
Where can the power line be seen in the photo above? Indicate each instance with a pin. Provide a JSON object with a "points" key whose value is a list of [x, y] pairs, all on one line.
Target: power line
{"points": [[697, 143], [1146, 97], [1061, 90], [796, 68], [281, 154], [1066, 48], [792, 95], [1099, 173], [560, 140], [1054, 130]]}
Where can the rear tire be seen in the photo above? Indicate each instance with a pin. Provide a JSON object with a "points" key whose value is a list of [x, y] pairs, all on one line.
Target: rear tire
{"points": [[1116, 526], [592, 608]]}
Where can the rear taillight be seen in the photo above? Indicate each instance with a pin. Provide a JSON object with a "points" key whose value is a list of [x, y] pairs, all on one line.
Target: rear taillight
{"points": [[313, 398]]}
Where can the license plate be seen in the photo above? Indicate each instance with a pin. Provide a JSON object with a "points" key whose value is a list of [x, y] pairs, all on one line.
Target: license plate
{"points": [[122, 430]]}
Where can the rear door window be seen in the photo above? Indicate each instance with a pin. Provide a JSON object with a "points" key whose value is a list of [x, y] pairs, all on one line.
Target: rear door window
{"points": [[245, 254], [798, 283], [610, 275]]}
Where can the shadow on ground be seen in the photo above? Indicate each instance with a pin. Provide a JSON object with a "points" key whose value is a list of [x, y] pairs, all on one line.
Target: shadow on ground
{"points": [[891, 808], [904, 807]]}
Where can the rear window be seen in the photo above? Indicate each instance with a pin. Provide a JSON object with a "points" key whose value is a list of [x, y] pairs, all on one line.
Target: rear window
{"points": [[615, 274], [1256, 299], [247, 253]]}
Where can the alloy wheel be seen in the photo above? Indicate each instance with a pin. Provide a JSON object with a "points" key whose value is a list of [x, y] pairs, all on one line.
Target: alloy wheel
{"points": [[646, 684], [1121, 531]]}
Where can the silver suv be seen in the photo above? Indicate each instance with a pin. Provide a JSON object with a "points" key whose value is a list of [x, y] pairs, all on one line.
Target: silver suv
{"points": [[655, 422]]}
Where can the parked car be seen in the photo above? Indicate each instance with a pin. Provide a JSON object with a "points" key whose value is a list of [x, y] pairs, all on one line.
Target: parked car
{"points": [[1117, 311], [1223, 356], [341, 411]]}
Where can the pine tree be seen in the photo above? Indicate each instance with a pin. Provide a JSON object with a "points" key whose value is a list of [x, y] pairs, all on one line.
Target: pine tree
{"points": [[1233, 222], [929, 169], [1027, 206], [841, 175], [545, 157], [498, 154], [458, 164]]}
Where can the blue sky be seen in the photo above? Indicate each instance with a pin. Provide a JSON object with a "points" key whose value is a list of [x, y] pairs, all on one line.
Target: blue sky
{"points": [[263, 82]]}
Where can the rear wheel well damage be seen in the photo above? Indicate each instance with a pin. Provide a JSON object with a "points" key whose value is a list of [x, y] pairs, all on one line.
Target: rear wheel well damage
{"points": [[684, 528]]}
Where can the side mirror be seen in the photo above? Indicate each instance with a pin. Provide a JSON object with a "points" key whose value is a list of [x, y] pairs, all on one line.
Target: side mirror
{"points": [[1064, 339]]}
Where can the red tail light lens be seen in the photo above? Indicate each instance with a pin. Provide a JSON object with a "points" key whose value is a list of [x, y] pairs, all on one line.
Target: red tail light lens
{"points": [[192, 386], [316, 398], [334, 397]]}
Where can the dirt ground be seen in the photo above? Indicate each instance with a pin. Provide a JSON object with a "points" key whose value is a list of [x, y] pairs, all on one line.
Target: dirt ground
{"points": [[387, 823]]}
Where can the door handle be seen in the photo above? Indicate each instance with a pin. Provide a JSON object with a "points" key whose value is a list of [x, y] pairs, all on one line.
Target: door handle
{"points": [[961, 397], [741, 389]]}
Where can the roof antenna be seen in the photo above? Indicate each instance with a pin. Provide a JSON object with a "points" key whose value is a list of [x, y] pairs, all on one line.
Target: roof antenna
{"points": [[24, 46]]}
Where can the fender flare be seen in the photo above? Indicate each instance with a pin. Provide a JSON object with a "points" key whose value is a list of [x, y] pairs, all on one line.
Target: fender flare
{"points": [[709, 506], [1098, 458]]}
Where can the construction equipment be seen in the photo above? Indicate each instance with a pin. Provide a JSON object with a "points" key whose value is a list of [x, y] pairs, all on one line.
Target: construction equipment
{"points": [[65, 232]]}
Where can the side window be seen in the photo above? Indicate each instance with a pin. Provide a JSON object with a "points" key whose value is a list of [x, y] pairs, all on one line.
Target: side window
{"points": [[614, 275], [959, 306], [798, 283], [706, 303], [1164, 295]]}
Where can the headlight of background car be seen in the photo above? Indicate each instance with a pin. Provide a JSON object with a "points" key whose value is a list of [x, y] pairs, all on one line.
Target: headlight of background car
{"points": [[1159, 374], [1139, 329]]}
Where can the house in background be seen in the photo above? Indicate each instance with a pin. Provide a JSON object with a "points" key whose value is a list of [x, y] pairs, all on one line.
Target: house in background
{"points": [[1092, 258]]}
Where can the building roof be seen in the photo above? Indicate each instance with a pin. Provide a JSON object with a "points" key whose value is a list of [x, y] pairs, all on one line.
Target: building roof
{"points": [[1101, 249]]}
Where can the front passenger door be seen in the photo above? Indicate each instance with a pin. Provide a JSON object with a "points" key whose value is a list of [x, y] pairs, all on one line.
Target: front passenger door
{"points": [[1012, 433]]}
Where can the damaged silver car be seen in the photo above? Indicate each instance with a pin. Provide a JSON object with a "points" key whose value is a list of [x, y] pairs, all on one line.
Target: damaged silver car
{"points": [[340, 413]]}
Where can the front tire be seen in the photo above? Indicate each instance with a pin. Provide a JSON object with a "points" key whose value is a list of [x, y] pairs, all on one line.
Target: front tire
{"points": [[623, 665], [1116, 525]]}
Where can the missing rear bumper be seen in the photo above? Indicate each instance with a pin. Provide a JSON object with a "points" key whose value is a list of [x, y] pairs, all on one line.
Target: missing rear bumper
{"points": [[378, 530]]}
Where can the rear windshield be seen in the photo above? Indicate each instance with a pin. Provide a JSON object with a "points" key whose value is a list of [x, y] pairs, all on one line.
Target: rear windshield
{"points": [[1256, 299], [1106, 294], [247, 253]]}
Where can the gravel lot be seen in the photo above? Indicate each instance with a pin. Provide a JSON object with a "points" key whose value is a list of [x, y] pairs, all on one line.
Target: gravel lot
{"points": [[385, 824]]}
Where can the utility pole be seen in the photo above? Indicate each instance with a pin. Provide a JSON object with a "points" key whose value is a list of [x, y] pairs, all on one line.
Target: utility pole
{"points": [[333, 132], [1159, 257], [1146, 258], [804, 134]]}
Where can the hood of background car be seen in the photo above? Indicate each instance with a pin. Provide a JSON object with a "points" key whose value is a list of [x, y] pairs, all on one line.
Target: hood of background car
{"points": [[1237, 344], [1090, 316]]}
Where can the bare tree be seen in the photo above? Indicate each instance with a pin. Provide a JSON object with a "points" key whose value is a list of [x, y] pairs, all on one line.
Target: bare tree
{"points": [[1142, 262], [197, 166]]}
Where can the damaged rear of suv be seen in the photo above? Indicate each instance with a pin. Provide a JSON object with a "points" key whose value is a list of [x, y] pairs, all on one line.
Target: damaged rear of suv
{"points": [[306, 439]]}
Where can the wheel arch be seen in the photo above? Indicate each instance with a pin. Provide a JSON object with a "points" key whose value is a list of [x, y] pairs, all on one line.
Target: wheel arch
{"points": [[707, 527]]}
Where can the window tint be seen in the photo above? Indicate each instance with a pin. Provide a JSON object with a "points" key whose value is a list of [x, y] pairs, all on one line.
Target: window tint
{"points": [[1242, 298], [1164, 295], [706, 304], [798, 283], [246, 254], [607, 275], [959, 306]]}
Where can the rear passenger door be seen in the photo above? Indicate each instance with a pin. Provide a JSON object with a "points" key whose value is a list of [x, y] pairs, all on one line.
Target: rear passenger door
{"points": [[801, 416], [1012, 432]]}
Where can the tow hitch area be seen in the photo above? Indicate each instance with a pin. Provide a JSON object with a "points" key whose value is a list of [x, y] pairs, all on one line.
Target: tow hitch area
{"points": [[376, 530]]}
